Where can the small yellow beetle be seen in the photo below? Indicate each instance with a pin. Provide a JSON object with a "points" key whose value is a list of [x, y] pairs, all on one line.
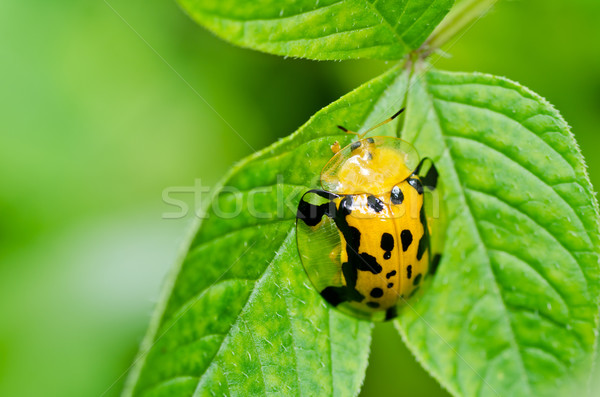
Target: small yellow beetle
{"points": [[365, 239]]}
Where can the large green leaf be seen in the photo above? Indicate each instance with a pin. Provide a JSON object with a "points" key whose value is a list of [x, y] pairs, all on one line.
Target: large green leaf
{"points": [[322, 29], [513, 309], [241, 317]]}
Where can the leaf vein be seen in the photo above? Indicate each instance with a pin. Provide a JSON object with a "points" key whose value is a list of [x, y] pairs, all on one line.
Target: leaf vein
{"points": [[543, 277], [256, 347], [251, 298], [536, 134], [274, 18], [542, 315], [182, 309], [409, 27], [348, 32], [554, 237], [384, 19], [292, 335], [168, 380], [199, 246], [559, 197], [330, 352]]}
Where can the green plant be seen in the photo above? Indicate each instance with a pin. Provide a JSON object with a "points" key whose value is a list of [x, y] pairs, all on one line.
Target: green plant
{"points": [[513, 309]]}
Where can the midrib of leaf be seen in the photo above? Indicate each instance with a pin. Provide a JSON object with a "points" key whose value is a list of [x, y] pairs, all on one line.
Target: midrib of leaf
{"points": [[496, 289], [330, 353], [294, 337], [452, 176]]}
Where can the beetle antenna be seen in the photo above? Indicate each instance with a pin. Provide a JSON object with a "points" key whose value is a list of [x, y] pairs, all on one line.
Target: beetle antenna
{"points": [[346, 130], [382, 123]]}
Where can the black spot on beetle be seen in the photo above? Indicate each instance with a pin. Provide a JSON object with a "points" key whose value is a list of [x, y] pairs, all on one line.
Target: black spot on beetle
{"points": [[355, 145], [407, 238], [370, 140], [331, 295], [312, 214], [423, 245], [387, 242], [417, 279], [376, 292], [352, 237], [356, 262], [424, 241], [416, 184], [390, 274], [374, 305], [390, 285], [350, 275], [409, 271], [374, 203], [337, 295], [366, 263], [397, 196]]}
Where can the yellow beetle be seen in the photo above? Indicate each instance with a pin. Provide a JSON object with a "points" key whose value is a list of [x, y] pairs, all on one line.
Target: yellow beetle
{"points": [[365, 239]]}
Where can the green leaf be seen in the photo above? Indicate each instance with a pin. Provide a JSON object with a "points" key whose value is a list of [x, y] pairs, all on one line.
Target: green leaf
{"points": [[512, 310], [241, 317], [514, 307], [322, 29]]}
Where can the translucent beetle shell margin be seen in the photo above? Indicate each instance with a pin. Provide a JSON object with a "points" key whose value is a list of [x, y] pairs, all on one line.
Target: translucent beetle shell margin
{"points": [[365, 240]]}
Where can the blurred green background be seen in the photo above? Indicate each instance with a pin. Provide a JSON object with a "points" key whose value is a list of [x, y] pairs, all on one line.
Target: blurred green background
{"points": [[94, 125]]}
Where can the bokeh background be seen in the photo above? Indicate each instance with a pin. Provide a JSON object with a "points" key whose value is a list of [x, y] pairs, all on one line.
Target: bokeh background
{"points": [[102, 106]]}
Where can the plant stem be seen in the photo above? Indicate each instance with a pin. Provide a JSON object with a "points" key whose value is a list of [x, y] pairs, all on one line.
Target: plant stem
{"points": [[462, 16]]}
